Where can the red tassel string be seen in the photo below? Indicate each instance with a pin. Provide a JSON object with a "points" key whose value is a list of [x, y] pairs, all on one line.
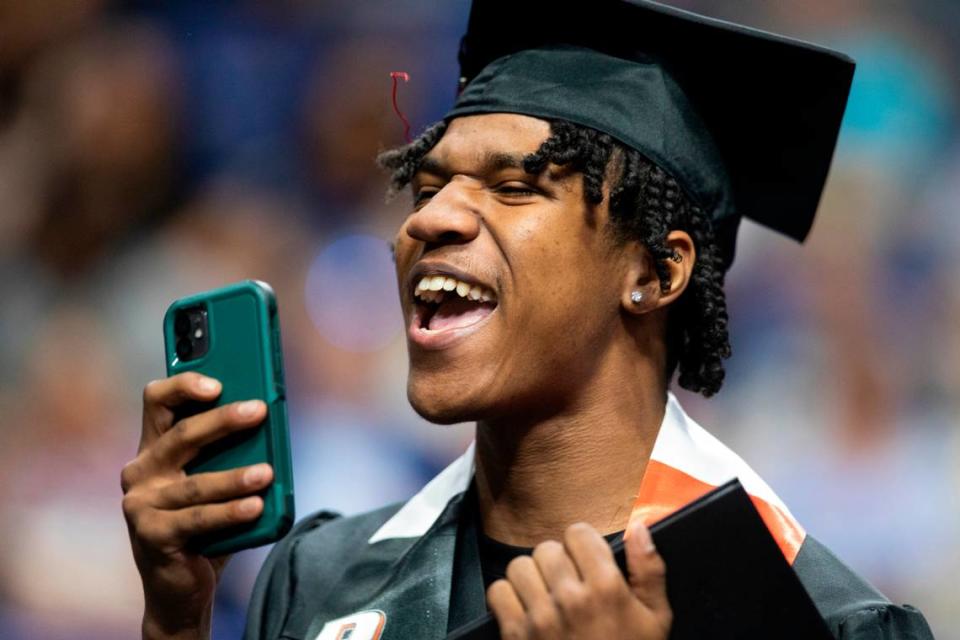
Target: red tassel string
{"points": [[403, 75]]}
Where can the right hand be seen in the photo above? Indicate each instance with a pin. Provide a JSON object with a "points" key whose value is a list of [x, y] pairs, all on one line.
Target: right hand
{"points": [[165, 508]]}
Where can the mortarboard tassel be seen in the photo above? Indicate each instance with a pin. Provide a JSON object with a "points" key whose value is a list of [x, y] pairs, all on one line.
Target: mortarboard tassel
{"points": [[396, 108]]}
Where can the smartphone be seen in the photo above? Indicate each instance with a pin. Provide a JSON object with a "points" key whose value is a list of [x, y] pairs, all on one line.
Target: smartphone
{"points": [[233, 334]]}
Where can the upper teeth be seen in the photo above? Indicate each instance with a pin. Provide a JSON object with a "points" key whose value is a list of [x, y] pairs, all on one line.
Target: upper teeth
{"points": [[434, 289]]}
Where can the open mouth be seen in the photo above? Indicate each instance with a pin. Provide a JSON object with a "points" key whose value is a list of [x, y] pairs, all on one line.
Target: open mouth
{"points": [[445, 303]]}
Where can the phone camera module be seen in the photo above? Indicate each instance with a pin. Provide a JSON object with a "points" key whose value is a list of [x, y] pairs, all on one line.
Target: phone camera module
{"points": [[190, 330]]}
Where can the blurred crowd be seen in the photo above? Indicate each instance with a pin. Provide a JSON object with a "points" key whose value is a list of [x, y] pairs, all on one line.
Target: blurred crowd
{"points": [[153, 150]]}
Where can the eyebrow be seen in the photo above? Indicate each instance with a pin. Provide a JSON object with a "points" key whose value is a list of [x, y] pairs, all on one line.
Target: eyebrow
{"points": [[490, 162]]}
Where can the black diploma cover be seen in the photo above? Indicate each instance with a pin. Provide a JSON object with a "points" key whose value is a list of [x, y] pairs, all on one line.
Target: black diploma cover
{"points": [[726, 576]]}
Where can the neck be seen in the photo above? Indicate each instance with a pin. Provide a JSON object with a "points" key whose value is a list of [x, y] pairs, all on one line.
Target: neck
{"points": [[584, 464]]}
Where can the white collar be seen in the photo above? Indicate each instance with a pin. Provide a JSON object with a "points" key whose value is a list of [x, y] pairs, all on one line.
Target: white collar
{"points": [[681, 444]]}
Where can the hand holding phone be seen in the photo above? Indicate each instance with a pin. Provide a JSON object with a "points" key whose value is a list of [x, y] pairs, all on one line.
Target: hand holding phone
{"points": [[212, 474], [166, 509]]}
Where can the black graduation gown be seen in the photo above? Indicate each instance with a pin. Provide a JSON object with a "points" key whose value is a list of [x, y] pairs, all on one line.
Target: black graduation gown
{"points": [[326, 570]]}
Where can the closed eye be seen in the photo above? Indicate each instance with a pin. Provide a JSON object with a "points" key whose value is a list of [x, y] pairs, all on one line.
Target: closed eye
{"points": [[424, 194], [510, 190], [516, 189]]}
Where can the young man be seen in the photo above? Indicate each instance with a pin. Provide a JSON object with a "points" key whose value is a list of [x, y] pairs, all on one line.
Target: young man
{"points": [[573, 219]]}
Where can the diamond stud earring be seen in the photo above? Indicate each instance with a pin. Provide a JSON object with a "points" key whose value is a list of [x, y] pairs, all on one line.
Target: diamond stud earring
{"points": [[636, 297]]}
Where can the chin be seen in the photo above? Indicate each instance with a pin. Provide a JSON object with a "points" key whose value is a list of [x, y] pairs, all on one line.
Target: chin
{"points": [[438, 399], [436, 406]]}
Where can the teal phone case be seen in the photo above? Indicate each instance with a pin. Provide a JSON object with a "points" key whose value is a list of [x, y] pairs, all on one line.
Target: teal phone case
{"points": [[245, 356]]}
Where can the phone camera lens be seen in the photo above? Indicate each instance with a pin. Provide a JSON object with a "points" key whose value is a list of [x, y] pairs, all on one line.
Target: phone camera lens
{"points": [[182, 323], [184, 349]]}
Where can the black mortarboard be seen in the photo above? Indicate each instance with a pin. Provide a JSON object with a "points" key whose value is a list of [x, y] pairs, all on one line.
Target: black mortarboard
{"points": [[745, 120]]}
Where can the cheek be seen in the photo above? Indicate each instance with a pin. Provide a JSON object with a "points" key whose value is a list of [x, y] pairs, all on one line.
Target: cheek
{"points": [[568, 303], [526, 232], [566, 271]]}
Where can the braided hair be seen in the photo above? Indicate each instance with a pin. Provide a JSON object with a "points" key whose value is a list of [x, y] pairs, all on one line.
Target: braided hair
{"points": [[646, 203]]}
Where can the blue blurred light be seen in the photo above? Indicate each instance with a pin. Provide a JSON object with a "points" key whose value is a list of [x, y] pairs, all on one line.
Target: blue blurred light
{"points": [[899, 104], [351, 293]]}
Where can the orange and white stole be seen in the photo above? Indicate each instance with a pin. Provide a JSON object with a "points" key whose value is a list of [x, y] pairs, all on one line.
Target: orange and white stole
{"points": [[687, 462]]}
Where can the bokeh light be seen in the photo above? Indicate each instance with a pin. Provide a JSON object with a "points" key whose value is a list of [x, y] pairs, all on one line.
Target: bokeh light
{"points": [[351, 293]]}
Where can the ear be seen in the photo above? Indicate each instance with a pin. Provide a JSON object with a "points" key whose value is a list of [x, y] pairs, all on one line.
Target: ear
{"points": [[641, 275]]}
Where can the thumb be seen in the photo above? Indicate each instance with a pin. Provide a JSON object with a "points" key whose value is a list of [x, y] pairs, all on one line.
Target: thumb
{"points": [[647, 570]]}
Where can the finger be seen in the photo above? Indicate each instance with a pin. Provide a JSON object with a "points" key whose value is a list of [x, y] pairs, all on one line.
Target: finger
{"points": [[647, 570], [200, 519], [215, 486], [507, 609], [523, 574], [184, 440], [568, 592], [590, 553], [171, 530], [542, 617], [555, 565], [161, 396]]}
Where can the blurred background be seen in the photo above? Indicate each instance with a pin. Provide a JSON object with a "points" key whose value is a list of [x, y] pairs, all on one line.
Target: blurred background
{"points": [[152, 150]]}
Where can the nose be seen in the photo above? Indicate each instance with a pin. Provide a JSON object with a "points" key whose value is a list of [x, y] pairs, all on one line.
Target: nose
{"points": [[450, 217]]}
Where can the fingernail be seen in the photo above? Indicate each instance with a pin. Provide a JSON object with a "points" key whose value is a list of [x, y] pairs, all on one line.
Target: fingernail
{"points": [[642, 534], [250, 505], [256, 474], [248, 408], [208, 385]]}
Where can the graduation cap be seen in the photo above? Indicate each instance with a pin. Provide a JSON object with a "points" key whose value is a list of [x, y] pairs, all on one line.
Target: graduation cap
{"points": [[746, 121]]}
